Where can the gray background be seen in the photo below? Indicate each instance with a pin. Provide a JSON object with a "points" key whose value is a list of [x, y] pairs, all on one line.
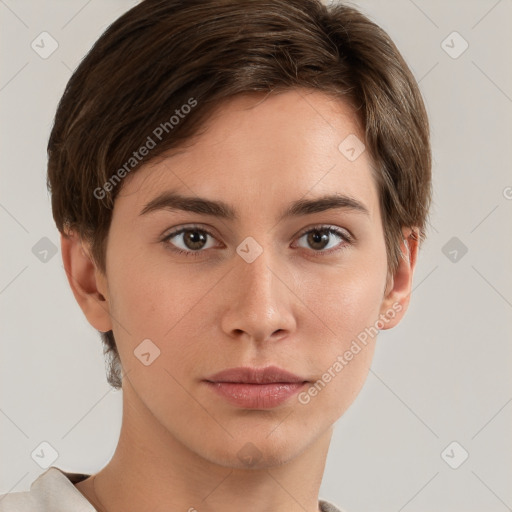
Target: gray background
{"points": [[442, 375]]}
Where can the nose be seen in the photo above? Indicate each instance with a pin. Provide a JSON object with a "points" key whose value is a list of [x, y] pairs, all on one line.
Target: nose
{"points": [[258, 301]]}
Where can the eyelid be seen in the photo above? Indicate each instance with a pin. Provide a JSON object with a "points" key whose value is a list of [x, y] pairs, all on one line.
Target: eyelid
{"points": [[325, 227]]}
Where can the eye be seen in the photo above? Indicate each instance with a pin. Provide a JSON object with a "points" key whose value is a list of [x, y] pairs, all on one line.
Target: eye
{"points": [[188, 240], [320, 238], [191, 240]]}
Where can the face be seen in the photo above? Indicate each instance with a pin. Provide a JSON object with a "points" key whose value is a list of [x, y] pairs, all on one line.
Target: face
{"points": [[257, 288]]}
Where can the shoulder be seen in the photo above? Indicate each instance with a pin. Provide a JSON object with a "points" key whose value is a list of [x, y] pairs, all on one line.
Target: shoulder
{"points": [[52, 491], [327, 506], [19, 502]]}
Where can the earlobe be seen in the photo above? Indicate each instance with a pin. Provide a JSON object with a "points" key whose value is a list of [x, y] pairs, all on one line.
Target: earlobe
{"points": [[87, 283], [398, 291]]}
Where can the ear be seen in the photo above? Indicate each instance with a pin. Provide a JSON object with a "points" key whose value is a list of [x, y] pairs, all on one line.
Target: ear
{"points": [[89, 285], [399, 285]]}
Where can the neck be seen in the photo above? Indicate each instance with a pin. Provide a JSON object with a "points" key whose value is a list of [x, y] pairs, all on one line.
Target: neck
{"points": [[153, 470]]}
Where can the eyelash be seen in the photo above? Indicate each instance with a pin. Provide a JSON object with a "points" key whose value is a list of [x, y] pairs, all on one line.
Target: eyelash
{"points": [[349, 240]]}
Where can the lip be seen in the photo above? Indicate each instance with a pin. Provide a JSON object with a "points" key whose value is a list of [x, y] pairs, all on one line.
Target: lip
{"points": [[255, 388], [249, 375]]}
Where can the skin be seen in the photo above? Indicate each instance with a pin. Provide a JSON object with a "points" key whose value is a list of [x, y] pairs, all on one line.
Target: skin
{"points": [[294, 306]]}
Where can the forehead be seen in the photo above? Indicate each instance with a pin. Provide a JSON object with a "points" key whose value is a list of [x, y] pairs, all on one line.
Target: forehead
{"points": [[258, 151]]}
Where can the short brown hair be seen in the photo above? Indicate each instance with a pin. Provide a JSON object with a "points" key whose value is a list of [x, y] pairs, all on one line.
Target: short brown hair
{"points": [[164, 54]]}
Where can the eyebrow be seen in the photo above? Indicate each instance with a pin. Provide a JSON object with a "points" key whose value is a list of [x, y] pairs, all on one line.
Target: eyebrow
{"points": [[173, 201]]}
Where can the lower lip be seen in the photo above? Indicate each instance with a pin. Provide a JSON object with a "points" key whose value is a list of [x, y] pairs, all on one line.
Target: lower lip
{"points": [[256, 396]]}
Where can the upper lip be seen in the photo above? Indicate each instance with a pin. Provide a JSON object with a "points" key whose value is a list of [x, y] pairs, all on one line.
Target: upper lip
{"points": [[249, 375]]}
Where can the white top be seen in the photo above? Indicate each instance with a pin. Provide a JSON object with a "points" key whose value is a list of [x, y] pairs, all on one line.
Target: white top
{"points": [[54, 491]]}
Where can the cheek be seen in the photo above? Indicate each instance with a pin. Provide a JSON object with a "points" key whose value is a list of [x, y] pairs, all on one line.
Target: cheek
{"points": [[346, 307], [343, 354], [169, 305], [146, 289], [358, 302], [347, 299]]}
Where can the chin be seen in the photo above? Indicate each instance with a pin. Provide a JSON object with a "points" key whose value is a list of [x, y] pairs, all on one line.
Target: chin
{"points": [[260, 451]]}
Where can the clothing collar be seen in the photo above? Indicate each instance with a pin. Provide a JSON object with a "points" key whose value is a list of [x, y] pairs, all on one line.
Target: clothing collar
{"points": [[56, 490]]}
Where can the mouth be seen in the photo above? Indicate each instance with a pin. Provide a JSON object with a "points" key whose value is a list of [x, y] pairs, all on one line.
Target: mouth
{"points": [[255, 388]]}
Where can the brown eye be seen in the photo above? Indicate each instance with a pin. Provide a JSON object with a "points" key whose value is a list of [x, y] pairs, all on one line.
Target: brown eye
{"points": [[189, 240], [194, 239], [318, 240], [324, 237]]}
